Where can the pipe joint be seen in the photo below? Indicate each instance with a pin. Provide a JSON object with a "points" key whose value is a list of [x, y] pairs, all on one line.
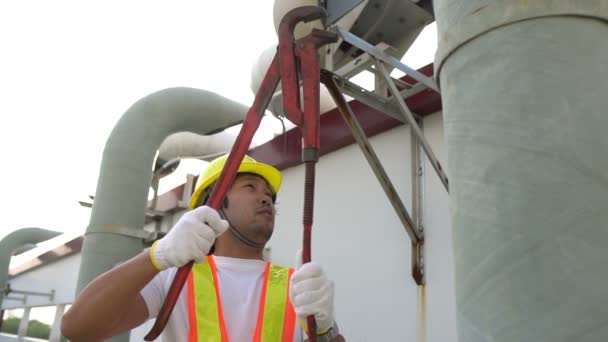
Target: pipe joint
{"points": [[137, 233]]}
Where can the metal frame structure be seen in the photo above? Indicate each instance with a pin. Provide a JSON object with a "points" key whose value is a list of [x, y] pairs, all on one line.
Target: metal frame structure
{"points": [[388, 98]]}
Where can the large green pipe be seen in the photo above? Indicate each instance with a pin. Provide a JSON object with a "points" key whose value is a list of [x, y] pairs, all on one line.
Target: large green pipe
{"points": [[525, 101], [126, 170], [14, 241]]}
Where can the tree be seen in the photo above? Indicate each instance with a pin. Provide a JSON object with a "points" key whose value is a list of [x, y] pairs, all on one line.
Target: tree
{"points": [[11, 325], [38, 329], [35, 328]]}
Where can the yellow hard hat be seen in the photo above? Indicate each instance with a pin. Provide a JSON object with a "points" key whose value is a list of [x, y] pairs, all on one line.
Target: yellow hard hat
{"points": [[249, 165]]}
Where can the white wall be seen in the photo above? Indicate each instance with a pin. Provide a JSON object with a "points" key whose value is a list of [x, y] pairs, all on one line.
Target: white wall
{"points": [[362, 245], [60, 276]]}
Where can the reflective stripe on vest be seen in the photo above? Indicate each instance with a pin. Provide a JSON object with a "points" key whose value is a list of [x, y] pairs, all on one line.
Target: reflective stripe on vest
{"points": [[276, 317]]}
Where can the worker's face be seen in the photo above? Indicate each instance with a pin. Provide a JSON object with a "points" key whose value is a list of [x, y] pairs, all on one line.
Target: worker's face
{"points": [[250, 207]]}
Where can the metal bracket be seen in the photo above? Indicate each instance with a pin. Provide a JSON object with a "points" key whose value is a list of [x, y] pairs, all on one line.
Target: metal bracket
{"points": [[414, 126], [418, 271], [21, 299], [144, 235], [411, 224], [151, 213], [359, 135], [368, 97], [187, 193], [359, 64], [390, 60], [377, 54], [8, 289], [389, 99]]}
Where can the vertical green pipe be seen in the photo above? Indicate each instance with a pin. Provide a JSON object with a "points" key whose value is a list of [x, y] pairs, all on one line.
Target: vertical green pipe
{"points": [[525, 101], [126, 170]]}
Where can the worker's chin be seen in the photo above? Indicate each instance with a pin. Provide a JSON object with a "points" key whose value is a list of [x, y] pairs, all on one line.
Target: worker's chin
{"points": [[265, 233]]}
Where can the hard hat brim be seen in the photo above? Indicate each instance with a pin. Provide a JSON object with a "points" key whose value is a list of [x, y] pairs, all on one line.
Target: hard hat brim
{"points": [[269, 173]]}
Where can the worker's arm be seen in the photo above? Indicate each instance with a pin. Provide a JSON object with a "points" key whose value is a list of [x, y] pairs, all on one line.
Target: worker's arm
{"points": [[112, 303]]}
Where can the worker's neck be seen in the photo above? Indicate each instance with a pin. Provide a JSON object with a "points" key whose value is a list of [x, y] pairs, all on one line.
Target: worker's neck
{"points": [[233, 248]]}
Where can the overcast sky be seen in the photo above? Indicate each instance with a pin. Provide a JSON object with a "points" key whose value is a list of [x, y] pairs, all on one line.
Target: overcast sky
{"points": [[70, 69]]}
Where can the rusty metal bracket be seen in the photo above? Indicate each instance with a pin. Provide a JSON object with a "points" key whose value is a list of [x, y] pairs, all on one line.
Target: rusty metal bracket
{"points": [[389, 99], [370, 155], [412, 224], [417, 208], [409, 116], [418, 263], [383, 56]]}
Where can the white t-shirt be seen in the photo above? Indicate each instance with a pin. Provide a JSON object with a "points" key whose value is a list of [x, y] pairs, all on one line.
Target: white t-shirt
{"points": [[240, 282]]}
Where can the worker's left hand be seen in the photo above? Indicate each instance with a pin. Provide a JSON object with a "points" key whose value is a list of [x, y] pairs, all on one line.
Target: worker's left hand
{"points": [[311, 293]]}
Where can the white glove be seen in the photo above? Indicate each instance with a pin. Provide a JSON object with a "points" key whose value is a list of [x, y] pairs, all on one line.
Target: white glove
{"points": [[190, 239], [311, 293]]}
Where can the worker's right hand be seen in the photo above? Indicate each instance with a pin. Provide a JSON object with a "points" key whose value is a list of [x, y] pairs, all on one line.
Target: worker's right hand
{"points": [[190, 239]]}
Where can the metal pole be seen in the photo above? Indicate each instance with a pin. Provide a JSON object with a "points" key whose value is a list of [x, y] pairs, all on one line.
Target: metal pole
{"points": [[56, 327], [31, 293], [414, 126], [383, 56], [23, 324], [370, 155]]}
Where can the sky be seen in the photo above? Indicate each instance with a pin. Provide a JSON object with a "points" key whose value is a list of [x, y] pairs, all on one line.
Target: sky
{"points": [[70, 69]]}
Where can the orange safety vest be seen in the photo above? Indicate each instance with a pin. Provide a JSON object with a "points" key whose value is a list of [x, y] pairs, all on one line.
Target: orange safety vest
{"points": [[276, 317]]}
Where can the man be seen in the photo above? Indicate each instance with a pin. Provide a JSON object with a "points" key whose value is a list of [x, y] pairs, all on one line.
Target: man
{"points": [[232, 294]]}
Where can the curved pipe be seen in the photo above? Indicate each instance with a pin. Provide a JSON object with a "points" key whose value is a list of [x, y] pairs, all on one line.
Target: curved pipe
{"points": [[523, 87], [187, 144], [182, 145], [126, 170], [13, 242]]}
